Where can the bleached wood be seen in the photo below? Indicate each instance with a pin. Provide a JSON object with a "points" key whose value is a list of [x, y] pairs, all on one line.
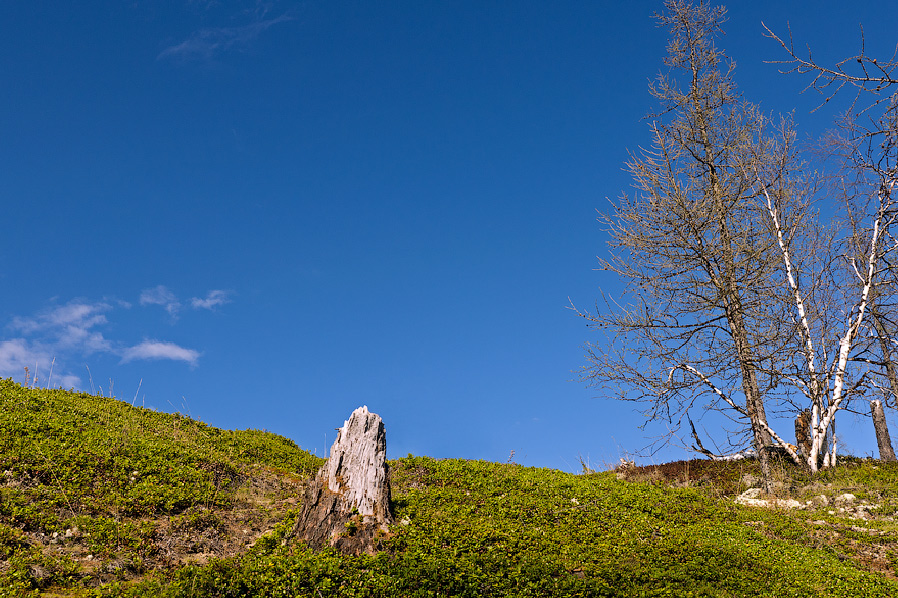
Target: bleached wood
{"points": [[347, 505]]}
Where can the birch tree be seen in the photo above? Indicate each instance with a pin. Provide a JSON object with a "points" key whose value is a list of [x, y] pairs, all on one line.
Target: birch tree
{"points": [[866, 146], [829, 372]]}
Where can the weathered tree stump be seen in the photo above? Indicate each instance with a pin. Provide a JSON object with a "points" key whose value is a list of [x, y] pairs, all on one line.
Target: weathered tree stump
{"points": [[886, 453], [347, 505]]}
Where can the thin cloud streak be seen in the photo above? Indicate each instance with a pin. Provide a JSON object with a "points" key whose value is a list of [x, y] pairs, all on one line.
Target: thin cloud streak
{"points": [[206, 43], [152, 349], [213, 299]]}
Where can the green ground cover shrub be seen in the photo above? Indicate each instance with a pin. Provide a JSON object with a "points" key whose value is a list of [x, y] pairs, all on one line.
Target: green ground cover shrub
{"points": [[110, 476], [99, 456], [80, 473], [484, 529]]}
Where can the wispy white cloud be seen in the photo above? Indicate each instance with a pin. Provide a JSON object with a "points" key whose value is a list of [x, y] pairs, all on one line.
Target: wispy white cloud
{"points": [[17, 354], [206, 4], [152, 349], [64, 381], [47, 337], [207, 43], [213, 299], [60, 338], [75, 313], [68, 326], [160, 295]]}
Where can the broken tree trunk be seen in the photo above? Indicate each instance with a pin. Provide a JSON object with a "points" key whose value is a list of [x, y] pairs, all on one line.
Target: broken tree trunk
{"points": [[803, 433], [882, 432], [347, 505]]}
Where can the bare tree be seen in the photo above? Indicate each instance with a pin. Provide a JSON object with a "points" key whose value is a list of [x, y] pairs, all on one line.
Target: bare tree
{"points": [[866, 145], [865, 75], [739, 300], [707, 323]]}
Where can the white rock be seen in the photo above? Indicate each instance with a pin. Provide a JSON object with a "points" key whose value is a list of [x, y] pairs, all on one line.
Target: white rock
{"points": [[750, 498]]}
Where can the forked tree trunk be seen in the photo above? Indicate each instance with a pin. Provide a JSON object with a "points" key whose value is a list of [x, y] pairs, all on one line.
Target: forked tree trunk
{"points": [[882, 432], [347, 505]]}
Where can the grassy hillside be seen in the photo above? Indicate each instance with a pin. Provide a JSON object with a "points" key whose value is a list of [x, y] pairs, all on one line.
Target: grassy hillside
{"points": [[94, 490], [99, 498]]}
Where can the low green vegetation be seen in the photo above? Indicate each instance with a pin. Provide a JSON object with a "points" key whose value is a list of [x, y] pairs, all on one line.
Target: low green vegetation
{"points": [[94, 490], [100, 498]]}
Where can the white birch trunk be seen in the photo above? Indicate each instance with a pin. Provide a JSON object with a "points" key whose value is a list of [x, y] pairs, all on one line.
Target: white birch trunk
{"points": [[822, 418], [845, 344]]}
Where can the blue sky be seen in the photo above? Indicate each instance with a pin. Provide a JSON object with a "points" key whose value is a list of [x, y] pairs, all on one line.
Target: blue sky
{"points": [[265, 214]]}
